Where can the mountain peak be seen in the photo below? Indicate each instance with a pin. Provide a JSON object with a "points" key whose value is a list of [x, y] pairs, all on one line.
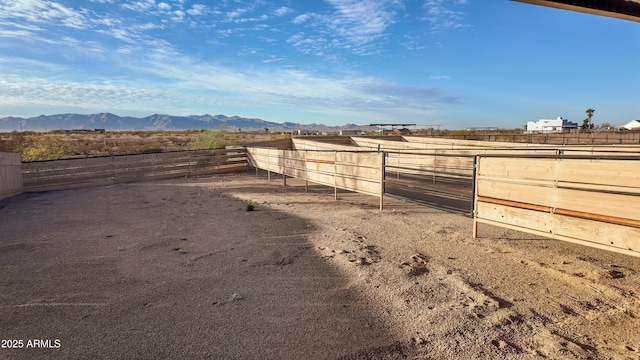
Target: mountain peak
{"points": [[156, 121]]}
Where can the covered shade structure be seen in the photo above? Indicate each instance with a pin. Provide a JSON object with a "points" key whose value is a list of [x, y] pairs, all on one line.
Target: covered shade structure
{"points": [[622, 9]]}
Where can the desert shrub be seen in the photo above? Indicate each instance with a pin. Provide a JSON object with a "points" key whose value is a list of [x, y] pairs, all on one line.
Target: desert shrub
{"points": [[13, 142], [213, 139], [40, 148]]}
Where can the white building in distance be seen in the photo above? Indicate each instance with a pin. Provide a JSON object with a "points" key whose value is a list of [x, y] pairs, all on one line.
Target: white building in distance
{"points": [[551, 126], [631, 125]]}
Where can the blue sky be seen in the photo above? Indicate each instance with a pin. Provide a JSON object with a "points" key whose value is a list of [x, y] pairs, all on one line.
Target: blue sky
{"points": [[459, 63]]}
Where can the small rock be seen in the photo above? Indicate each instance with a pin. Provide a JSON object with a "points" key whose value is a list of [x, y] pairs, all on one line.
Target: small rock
{"points": [[236, 297], [418, 340], [615, 274]]}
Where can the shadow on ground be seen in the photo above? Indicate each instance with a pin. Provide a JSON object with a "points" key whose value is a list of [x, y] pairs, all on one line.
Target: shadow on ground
{"points": [[163, 270]]}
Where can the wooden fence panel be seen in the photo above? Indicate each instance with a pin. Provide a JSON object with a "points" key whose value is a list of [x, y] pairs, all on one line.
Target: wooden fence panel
{"points": [[60, 174], [11, 182], [607, 236], [572, 199], [457, 143], [313, 144], [360, 172], [388, 145]]}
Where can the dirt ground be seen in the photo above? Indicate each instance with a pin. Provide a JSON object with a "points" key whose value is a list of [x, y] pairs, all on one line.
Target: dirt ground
{"points": [[178, 269]]}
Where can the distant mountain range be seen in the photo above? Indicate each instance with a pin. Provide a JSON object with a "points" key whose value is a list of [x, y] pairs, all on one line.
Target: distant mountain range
{"points": [[109, 121]]}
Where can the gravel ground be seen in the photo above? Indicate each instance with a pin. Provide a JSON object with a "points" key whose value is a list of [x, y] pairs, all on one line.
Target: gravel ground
{"points": [[178, 269]]}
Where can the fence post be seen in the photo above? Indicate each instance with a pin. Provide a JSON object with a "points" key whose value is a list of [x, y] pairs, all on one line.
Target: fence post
{"points": [[268, 165], [284, 168], [382, 171], [435, 162], [335, 175], [474, 205], [306, 175]]}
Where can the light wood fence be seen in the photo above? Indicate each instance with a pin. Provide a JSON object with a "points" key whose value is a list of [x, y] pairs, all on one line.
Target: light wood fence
{"points": [[354, 171], [313, 144], [10, 175], [60, 174], [589, 201]]}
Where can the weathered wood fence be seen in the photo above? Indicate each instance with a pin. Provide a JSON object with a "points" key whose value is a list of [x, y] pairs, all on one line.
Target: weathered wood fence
{"points": [[589, 201], [10, 175], [60, 174], [354, 171]]}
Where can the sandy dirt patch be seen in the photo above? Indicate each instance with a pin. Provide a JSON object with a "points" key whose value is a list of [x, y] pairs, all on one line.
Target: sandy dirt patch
{"points": [[179, 269]]}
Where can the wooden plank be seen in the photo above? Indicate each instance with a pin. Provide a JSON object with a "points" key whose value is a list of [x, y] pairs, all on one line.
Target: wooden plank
{"points": [[365, 173], [586, 232], [608, 204], [320, 178], [351, 171], [327, 157], [365, 187], [575, 213], [307, 144], [570, 199], [361, 159], [85, 177], [11, 182], [520, 168], [617, 205], [66, 172], [296, 173], [440, 142], [131, 168], [622, 173], [523, 193], [8, 158]]}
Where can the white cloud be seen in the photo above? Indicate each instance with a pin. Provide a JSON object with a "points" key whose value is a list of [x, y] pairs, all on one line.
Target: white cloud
{"points": [[353, 26], [197, 9], [251, 19], [121, 34], [411, 42], [39, 11], [362, 21], [224, 33], [283, 11], [178, 15], [96, 95], [301, 19], [18, 34], [443, 14], [356, 26], [273, 59], [140, 6], [106, 20], [237, 13]]}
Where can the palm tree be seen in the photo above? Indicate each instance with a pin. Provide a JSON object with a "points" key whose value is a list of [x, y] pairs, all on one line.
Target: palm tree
{"points": [[589, 113]]}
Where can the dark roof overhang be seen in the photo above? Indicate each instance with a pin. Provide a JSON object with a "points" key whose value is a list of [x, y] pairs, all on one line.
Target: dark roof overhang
{"points": [[621, 9]]}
